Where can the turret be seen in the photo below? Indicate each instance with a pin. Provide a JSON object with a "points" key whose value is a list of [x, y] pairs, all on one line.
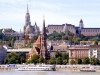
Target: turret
{"points": [[81, 25]]}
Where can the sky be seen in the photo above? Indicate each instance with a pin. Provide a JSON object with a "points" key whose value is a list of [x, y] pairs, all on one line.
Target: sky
{"points": [[12, 12]]}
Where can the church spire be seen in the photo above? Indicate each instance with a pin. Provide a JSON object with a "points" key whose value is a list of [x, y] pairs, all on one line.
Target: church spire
{"points": [[27, 9], [44, 29]]}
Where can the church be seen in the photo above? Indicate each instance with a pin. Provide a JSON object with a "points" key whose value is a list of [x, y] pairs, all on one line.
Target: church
{"points": [[28, 28]]}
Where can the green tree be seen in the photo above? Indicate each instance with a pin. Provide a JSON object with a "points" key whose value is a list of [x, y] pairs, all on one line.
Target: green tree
{"points": [[65, 56], [78, 61], [94, 61], [35, 59], [59, 60], [52, 60], [65, 62], [12, 58], [85, 60], [72, 61], [41, 60], [58, 54], [22, 56]]}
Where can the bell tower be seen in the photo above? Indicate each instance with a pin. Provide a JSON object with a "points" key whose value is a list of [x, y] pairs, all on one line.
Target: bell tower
{"points": [[43, 50]]}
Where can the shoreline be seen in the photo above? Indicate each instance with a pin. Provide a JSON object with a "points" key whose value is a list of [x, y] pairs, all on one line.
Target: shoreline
{"points": [[76, 68]]}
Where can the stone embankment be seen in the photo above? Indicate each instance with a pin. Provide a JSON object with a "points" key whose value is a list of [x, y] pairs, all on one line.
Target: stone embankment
{"points": [[76, 67]]}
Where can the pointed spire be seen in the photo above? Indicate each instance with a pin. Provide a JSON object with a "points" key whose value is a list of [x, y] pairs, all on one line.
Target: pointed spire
{"points": [[44, 30], [27, 9]]}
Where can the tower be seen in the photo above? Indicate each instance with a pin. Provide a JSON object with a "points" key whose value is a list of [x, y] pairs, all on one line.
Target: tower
{"points": [[43, 48], [27, 17], [81, 25], [65, 30]]}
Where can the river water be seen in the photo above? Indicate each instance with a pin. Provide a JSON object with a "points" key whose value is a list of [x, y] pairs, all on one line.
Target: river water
{"points": [[47, 73]]}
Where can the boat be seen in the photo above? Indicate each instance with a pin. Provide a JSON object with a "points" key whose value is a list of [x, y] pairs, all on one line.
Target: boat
{"points": [[36, 68]]}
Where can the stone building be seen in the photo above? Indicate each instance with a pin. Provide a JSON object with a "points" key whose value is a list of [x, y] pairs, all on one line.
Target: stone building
{"points": [[78, 51], [73, 29], [3, 53], [40, 46], [28, 28]]}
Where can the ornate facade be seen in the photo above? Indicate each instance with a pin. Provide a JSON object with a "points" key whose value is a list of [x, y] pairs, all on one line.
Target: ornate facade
{"points": [[28, 28], [73, 29]]}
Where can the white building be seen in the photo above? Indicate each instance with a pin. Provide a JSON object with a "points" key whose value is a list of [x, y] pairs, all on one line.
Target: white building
{"points": [[94, 51]]}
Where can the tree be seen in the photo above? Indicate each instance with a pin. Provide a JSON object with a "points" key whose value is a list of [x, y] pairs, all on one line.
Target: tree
{"points": [[58, 54], [22, 56], [52, 60], [59, 60], [65, 62], [85, 60], [12, 58], [72, 61], [78, 61], [41, 60], [94, 61], [65, 56], [35, 59]]}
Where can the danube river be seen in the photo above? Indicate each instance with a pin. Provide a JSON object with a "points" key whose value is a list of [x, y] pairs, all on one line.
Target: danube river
{"points": [[47, 73]]}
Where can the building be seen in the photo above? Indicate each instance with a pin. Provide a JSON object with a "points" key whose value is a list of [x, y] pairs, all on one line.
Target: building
{"points": [[73, 29], [3, 53], [40, 46], [94, 51], [78, 51], [28, 28]]}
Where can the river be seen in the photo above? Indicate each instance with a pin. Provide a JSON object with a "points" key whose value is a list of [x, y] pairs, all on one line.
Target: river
{"points": [[47, 73]]}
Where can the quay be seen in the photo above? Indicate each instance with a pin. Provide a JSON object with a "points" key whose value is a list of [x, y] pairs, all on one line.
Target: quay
{"points": [[57, 67]]}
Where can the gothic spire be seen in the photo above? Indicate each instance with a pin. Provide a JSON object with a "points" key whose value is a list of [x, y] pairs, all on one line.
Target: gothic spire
{"points": [[27, 9], [44, 30]]}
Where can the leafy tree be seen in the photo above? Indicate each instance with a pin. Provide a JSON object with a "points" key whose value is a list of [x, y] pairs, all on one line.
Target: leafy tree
{"points": [[65, 62], [58, 54], [94, 61], [59, 60], [41, 60], [22, 56], [52, 60], [12, 58], [65, 56], [78, 61], [72, 61], [85, 60], [35, 59]]}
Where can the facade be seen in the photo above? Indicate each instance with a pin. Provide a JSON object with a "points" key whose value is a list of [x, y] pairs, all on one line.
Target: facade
{"points": [[28, 28], [3, 53], [78, 51], [94, 51], [73, 29], [40, 46], [19, 44]]}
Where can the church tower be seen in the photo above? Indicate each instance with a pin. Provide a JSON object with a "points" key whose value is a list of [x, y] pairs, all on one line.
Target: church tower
{"points": [[43, 49], [27, 17], [81, 25]]}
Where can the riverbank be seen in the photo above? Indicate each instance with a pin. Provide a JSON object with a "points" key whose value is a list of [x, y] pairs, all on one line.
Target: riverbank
{"points": [[77, 67], [57, 67]]}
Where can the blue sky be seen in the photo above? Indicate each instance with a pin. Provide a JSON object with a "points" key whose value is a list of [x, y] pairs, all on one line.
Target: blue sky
{"points": [[12, 12]]}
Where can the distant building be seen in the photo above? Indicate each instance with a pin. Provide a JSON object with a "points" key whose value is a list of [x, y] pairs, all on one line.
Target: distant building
{"points": [[73, 29], [78, 51], [3, 54], [28, 28], [94, 51], [19, 44]]}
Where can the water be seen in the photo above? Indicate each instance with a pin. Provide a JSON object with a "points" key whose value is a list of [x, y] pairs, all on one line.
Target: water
{"points": [[46, 73]]}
